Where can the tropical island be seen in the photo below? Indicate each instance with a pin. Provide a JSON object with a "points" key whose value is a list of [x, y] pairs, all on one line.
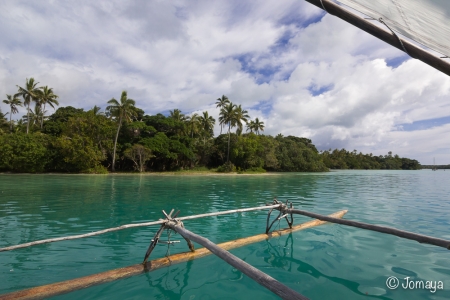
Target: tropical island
{"points": [[123, 138]]}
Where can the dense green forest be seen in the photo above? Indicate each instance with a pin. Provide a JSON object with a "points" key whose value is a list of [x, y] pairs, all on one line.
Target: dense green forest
{"points": [[123, 138], [437, 167], [342, 159]]}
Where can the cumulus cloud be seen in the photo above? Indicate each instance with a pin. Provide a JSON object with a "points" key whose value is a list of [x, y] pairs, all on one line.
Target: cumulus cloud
{"points": [[301, 71]]}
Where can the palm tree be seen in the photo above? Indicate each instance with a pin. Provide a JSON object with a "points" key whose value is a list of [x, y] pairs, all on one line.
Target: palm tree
{"points": [[193, 123], [3, 120], [258, 125], [233, 116], [220, 103], [227, 117], [207, 123], [29, 93], [122, 111], [177, 115], [47, 97], [251, 126], [180, 128], [96, 110], [13, 102], [240, 115], [35, 117]]}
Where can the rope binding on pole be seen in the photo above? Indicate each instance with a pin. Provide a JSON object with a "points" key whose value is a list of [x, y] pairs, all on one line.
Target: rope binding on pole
{"points": [[323, 6], [398, 38], [284, 213]]}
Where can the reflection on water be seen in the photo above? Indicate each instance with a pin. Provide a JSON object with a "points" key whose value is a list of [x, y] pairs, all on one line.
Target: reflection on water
{"points": [[326, 262], [287, 261]]}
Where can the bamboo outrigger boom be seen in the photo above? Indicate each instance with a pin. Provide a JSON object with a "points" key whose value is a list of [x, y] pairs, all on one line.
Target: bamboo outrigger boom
{"points": [[67, 286], [73, 237]]}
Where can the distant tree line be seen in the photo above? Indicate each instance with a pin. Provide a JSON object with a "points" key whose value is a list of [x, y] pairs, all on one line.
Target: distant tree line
{"points": [[438, 167], [123, 138], [343, 159]]}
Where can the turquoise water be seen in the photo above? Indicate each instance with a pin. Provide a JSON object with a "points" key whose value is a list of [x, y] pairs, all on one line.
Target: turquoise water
{"points": [[325, 262]]}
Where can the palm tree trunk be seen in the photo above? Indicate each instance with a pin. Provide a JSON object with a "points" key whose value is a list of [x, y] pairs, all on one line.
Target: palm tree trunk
{"points": [[115, 145], [28, 117], [228, 152], [42, 118], [10, 121]]}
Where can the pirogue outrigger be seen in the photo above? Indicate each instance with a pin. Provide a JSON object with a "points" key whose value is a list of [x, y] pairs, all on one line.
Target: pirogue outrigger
{"points": [[286, 211]]}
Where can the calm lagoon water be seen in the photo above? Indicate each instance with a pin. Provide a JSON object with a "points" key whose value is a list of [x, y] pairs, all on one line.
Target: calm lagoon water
{"points": [[325, 262]]}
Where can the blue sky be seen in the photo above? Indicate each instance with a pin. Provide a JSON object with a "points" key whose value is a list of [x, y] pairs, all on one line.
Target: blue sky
{"points": [[300, 70], [424, 124]]}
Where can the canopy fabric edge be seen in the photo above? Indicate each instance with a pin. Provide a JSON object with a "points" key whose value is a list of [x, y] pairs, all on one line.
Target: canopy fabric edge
{"points": [[384, 35]]}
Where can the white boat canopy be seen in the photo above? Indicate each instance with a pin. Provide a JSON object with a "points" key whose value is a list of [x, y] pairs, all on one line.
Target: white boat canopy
{"points": [[424, 21]]}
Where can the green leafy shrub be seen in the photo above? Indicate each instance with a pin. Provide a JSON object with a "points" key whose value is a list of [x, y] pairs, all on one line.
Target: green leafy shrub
{"points": [[255, 170], [99, 169], [227, 167]]}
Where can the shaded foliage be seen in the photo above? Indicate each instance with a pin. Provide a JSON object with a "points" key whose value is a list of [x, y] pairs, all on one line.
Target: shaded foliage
{"points": [[296, 154], [77, 154], [22, 152], [55, 123]]}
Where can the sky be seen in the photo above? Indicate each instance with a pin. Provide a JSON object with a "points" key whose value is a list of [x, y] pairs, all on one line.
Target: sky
{"points": [[300, 70]]}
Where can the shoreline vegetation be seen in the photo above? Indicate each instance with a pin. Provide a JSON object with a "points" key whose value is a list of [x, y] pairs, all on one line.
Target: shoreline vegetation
{"points": [[436, 167], [124, 139]]}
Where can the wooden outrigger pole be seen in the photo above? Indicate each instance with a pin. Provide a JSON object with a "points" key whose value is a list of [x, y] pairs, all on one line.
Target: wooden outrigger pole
{"points": [[260, 277], [383, 229], [384, 35], [67, 286]]}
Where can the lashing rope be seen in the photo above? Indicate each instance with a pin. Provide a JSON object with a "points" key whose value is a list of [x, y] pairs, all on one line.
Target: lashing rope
{"points": [[323, 7], [398, 38]]}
